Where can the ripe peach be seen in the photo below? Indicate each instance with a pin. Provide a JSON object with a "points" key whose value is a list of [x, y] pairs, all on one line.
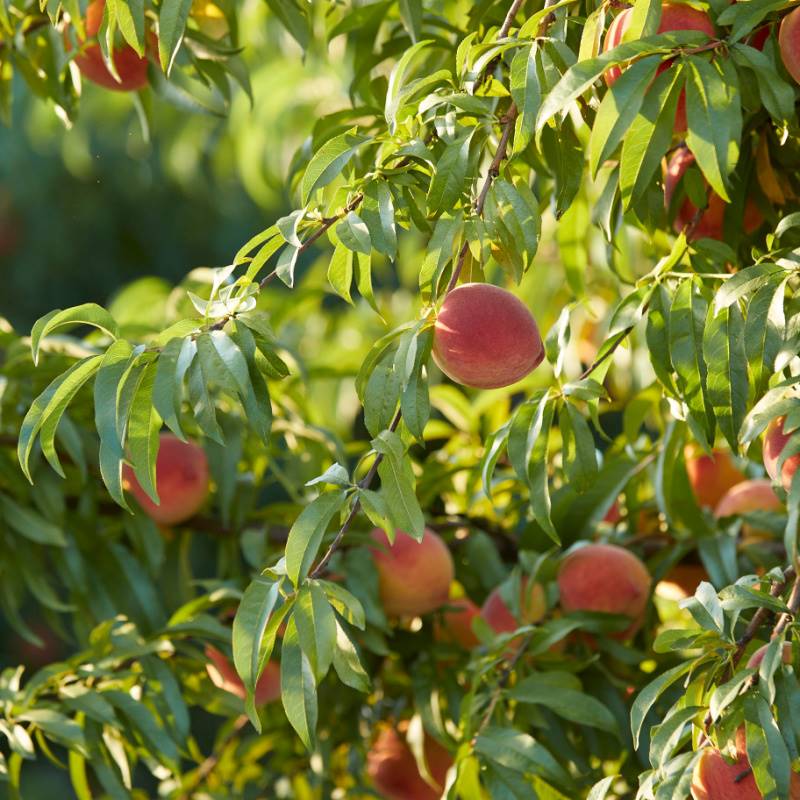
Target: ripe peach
{"points": [[393, 769], [711, 222], [414, 577], [485, 337], [674, 17], [605, 577], [224, 676], [498, 615], [131, 67], [454, 626], [681, 581], [747, 496], [182, 481], [789, 43], [710, 476], [754, 662], [758, 38], [775, 440]]}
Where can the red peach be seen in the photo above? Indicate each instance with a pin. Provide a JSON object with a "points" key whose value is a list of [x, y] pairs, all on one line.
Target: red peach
{"points": [[775, 439], [224, 676], [498, 615], [182, 481], [608, 578], [414, 577], [681, 581], [754, 662], [455, 624], [710, 476], [485, 337], [393, 769], [789, 43], [747, 496]]}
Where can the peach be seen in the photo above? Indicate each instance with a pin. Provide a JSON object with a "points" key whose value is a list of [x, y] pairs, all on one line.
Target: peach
{"points": [[710, 224], [681, 581], [775, 439], [747, 496], [715, 778], [393, 769], [182, 481], [674, 17], [710, 476], [789, 43], [605, 577], [131, 67], [754, 662], [498, 615], [210, 19], [485, 337], [758, 38], [454, 626], [224, 676], [414, 577]]}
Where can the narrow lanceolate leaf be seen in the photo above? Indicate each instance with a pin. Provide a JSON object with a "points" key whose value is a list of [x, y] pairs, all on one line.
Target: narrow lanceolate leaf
{"points": [[657, 336], [397, 79], [173, 361], [347, 663], [650, 694], [298, 690], [144, 424], [316, 628], [86, 314], [249, 629], [724, 354], [538, 476], [172, 16], [747, 282], [306, 534], [601, 788], [766, 750], [687, 318], [450, 177], [492, 450], [526, 93], [30, 524], [398, 485], [714, 118], [763, 333], [329, 161], [618, 110], [649, 136], [520, 752], [377, 211], [52, 402], [776, 94]]}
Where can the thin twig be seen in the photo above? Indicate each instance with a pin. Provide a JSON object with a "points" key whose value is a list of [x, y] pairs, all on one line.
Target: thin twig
{"points": [[208, 766]]}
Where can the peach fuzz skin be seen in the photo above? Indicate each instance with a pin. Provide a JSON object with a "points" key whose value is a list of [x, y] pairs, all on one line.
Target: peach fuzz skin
{"points": [[182, 481], [711, 477], [393, 769], [789, 43], [498, 615], [775, 439], [132, 68], [224, 676], [604, 577], [485, 337], [716, 779], [414, 577], [710, 225], [454, 625], [674, 17]]}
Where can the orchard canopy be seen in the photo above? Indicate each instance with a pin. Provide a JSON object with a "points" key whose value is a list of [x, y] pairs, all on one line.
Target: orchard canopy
{"points": [[473, 472]]}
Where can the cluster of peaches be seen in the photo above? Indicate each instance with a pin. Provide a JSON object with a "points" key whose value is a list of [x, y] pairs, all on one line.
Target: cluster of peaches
{"points": [[708, 222]]}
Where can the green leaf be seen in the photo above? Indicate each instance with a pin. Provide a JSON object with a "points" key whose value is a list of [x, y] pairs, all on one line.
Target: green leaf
{"points": [[745, 283], [306, 534], [129, 15], [347, 663], [329, 161], [724, 354], [649, 695], [380, 398], [51, 404], [449, 180], [173, 362], [30, 524], [340, 271], [86, 314], [763, 333], [687, 319], [354, 234], [649, 136], [57, 727], [397, 79], [766, 750], [520, 752], [172, 16], [298, 690], [657, 337], [776, 94], [377, 211], [293, 17], [601, 788], [411, 12], [618, 110], [316, 628], [398, 485], [527, 95], [144, 424]]}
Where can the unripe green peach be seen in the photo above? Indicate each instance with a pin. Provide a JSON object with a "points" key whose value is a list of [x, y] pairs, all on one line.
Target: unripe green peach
{"points": [[608, 578], [414, 577], [485, 337], [182, 481]]}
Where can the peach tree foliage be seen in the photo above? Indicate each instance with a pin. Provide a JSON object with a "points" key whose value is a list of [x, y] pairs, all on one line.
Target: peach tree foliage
{"points": [[468, 126]]}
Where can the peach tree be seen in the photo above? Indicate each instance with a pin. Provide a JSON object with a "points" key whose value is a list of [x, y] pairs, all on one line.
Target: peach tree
{"points": [[344, 518]]}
